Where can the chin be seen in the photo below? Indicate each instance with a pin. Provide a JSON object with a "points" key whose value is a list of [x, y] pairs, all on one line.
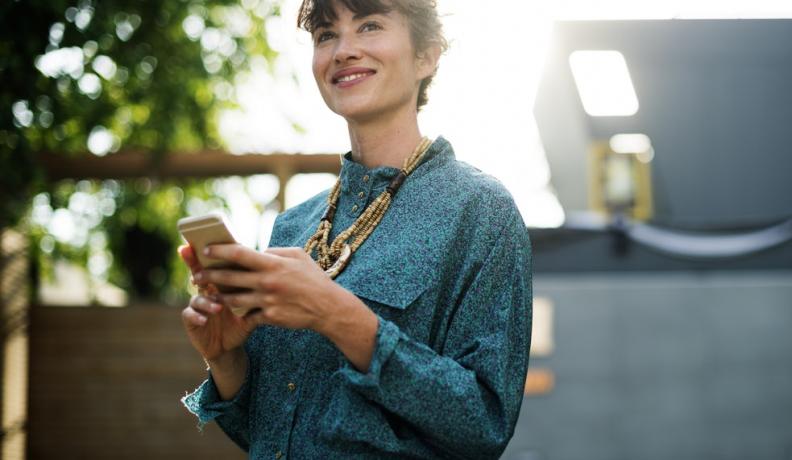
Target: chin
{"points": [[366, 110], [357, 112]]}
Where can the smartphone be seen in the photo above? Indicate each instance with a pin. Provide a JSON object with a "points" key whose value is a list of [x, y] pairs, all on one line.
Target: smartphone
{"points": [[200, 232]]}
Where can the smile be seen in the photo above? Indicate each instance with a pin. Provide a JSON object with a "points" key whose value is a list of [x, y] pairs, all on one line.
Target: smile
{"points": [[351, 79]]}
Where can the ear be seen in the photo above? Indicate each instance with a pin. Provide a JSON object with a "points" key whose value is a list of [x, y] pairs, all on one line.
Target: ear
{"points": [[427, 60]]}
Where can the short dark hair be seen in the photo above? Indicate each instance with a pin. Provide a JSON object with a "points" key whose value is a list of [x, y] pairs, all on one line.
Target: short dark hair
{"points": [[425, 26]]}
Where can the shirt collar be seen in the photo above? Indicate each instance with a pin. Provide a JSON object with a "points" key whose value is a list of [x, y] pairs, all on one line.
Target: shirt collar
{"points": [[353, 172]]}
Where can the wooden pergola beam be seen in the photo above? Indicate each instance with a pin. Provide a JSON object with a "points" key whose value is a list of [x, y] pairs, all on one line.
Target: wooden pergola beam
{"points": [[174, 165], [134, 164]]}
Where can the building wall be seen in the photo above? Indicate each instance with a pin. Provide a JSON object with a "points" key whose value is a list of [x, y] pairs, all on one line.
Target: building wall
{"points": [[676, 365]]}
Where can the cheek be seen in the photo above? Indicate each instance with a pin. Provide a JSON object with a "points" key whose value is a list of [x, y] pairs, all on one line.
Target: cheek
{"points": [[319, 66], [397, 60], [315, 69], [407, 63]]}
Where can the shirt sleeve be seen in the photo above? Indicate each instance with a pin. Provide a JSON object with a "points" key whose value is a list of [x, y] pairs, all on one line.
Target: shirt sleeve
{"points": [[466, 400], [232, 415]]}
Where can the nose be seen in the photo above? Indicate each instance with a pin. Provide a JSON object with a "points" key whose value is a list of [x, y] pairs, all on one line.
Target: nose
{"points": [[346, 49]]}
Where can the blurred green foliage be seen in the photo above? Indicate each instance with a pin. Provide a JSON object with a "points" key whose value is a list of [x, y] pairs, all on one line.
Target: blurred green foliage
{"points": [[85, 78], [122, 232]]}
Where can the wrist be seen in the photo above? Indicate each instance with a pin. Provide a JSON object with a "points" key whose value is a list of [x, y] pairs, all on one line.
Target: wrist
{"points": [[343, 315], [351, 326], [229, 361]]}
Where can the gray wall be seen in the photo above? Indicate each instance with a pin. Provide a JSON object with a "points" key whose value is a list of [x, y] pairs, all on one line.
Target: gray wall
{"points": [[664, 366]]}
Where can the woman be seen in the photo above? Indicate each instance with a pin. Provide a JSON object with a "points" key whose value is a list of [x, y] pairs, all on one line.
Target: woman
{"points": [[395, 308]]}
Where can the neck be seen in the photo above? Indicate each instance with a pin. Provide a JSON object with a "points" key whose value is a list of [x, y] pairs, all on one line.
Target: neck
{"points": [[385, 141]]}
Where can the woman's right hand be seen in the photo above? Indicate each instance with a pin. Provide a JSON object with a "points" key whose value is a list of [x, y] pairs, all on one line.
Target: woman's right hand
{"points": [[212, 328]]}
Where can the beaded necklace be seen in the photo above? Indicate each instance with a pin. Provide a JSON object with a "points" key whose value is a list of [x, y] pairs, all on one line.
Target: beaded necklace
{"points": [[335, 257]]}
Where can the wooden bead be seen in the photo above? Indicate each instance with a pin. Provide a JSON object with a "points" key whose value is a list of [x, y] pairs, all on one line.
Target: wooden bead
{"points": [[329, 214], [396, 183]]}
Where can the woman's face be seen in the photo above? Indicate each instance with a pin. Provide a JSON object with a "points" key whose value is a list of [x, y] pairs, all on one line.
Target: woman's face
{"points": [[366, 67]]}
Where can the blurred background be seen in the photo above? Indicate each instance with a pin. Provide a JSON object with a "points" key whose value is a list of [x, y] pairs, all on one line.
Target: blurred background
{"points": [[646, 143]]}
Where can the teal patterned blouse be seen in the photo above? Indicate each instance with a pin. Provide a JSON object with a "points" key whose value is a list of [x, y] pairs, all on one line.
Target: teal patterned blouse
{"points": [[448, 273]]}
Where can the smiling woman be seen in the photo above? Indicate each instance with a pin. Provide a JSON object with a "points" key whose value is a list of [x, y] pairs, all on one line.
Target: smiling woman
{"points": [[365, 69], [386, 29], [391, 314]]}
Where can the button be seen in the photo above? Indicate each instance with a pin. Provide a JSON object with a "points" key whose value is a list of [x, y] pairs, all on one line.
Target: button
{"points": [[354, 208], [365, 178], [291, 386], [278, 454], [361, 194]]}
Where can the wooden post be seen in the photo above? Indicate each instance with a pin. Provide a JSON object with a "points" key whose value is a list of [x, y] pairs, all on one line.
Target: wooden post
{"points": [[14, 308], [284, 173]]}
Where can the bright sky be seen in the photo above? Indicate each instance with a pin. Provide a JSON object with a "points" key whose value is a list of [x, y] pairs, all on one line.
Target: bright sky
{"points": [[482, 97]]}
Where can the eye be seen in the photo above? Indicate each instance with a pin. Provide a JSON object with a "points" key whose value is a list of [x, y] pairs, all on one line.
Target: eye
{"points": [[369, 26], [323, 36]]}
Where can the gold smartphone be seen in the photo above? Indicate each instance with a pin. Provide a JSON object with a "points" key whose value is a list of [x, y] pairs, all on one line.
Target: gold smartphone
{"points": [[202, 231]]}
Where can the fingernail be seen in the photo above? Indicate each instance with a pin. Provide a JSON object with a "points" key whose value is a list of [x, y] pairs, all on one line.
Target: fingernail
{"points": [[206, 251], [198, 276], [202, 319]]}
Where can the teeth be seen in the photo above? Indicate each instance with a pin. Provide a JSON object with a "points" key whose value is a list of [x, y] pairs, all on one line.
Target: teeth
{"points": [[352, 77]]}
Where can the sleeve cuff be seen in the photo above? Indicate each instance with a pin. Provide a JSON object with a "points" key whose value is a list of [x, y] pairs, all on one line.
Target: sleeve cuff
{"points": [[205, 401], [384, 343]]}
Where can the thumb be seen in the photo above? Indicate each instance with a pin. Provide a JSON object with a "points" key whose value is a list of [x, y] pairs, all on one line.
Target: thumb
{"points": [[286, 252], [188, 256], [256, 317]]}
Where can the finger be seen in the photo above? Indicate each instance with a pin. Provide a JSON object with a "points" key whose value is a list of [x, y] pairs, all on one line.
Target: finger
{"points": [[291, 252], [192, 317], [207, 289], [187, 254], [234, 278], [259, 317], [204, 287], [241, 255], [205, 305], [244, 300]]}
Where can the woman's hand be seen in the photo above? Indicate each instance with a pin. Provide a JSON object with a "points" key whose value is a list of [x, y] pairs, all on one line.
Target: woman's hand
{"points": [[213, 330], [287, 286], [291, 291]]}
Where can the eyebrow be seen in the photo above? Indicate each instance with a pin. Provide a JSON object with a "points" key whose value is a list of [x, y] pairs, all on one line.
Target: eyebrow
{"points": [[357, 16], [361, 15]]}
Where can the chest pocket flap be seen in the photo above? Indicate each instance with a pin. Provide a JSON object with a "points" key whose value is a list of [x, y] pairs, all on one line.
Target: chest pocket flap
{"points": [[400, 260], [390, 274]]}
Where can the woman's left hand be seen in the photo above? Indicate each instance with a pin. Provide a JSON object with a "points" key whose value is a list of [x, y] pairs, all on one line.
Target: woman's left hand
{"points": [[288, 286]]}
